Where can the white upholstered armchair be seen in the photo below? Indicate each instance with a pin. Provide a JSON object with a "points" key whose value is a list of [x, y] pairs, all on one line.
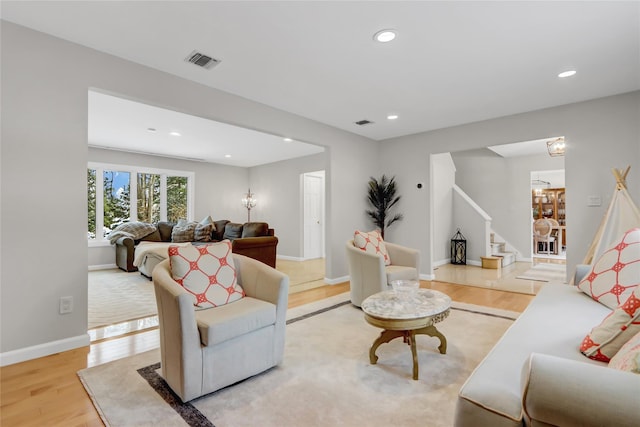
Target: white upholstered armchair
{"points": [[369, 275], [205, 350]]}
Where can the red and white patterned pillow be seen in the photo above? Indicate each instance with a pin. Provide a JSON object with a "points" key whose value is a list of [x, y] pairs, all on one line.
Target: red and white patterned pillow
{"points": [[372, 243], [604, 341], [616, 273], [628, 357], [207, 272]]}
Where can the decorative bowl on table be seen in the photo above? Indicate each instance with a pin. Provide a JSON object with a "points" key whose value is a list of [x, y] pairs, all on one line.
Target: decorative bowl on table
{"points": [[405, 286]]}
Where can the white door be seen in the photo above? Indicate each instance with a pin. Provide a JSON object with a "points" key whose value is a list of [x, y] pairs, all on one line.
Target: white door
{"points": [[313, 196]]}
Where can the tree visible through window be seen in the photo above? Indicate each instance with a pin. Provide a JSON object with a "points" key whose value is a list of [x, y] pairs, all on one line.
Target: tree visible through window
{"points": [[148, 197], [153, 196], [176, 198]]}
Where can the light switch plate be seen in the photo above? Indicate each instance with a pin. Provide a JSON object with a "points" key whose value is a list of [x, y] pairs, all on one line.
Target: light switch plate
{"points": [[594, 201]]}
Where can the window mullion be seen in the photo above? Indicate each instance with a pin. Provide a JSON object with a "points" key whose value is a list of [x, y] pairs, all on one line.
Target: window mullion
{"points": [[133, 196], [163, 197], [99, 204]]}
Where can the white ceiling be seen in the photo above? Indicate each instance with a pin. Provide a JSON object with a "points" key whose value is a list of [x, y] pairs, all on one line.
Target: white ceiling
{"points": [[451, 63], [525, 148], [120, 124]]}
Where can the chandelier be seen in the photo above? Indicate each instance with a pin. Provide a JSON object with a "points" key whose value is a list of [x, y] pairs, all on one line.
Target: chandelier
{"points": [[556, 147], [249, 201]]}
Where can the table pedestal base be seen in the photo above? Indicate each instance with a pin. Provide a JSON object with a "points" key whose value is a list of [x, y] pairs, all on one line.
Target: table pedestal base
{"points": [[408, 337]]}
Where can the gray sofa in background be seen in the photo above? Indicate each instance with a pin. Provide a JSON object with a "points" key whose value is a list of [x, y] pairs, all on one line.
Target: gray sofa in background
{"points": [[536, 376], [253, 239]]}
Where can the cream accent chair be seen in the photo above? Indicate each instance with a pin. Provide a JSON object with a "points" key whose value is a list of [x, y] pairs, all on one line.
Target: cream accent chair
{"points": [[205, 350], [369, 275], [542, 229]]}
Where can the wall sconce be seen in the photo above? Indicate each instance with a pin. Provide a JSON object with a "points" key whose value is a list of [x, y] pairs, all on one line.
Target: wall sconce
{"points": [[556, 147], [249, 201]]}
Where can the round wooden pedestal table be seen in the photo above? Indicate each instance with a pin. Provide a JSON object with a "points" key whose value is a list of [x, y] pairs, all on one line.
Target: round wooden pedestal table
{"points": [[406, 314]]}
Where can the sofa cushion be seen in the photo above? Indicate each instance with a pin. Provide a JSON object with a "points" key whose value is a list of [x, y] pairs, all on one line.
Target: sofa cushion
{"points": [[628, 357], [183, 232], [207, 272], [219, 324], [165, 228], [153, 237], [218, 233], [553, 323], [255, 229], [604, 341], [202, 232], [232, 231], [616, 272], [371, 242]]}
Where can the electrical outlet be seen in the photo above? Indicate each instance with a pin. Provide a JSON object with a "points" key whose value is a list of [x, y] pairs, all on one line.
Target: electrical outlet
{"points": [[66, 305]]}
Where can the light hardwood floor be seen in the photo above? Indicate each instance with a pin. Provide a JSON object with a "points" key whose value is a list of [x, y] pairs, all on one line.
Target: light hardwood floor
{"points": [[47, 391]]}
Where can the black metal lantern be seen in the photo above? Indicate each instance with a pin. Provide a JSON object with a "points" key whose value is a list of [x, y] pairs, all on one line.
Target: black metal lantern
{"points": [[458, 249]]}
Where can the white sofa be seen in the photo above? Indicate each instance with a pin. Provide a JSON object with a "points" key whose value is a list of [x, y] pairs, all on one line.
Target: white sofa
{"points": [[536, 376]]}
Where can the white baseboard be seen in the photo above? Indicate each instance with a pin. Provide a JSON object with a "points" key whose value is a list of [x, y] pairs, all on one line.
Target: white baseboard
{"points": [[41, 350], [336, 280], [294, 258], [441, 262], [102, 267], [474, 262], [428, 276]]}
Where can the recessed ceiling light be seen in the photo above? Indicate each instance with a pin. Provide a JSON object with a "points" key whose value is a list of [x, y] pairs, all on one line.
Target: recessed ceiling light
{"points": [[392, 116], [567, 73], [174, 133], [151, 129], [384, 36], [287, 139], [227, 155]]}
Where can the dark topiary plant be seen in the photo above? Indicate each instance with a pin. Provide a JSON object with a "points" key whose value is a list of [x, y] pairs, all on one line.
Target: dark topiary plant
{"points": [[382, 197]]}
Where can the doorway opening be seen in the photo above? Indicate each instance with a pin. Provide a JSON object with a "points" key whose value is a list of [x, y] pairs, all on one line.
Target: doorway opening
{"points": [[548, 215]]}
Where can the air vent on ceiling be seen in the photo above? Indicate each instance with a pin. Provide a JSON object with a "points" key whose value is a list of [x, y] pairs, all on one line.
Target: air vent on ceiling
{"points": [[202, 60], [363, 122]]}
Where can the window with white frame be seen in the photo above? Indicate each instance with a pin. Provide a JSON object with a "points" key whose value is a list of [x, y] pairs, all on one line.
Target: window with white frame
{"points": [[117, 194]]}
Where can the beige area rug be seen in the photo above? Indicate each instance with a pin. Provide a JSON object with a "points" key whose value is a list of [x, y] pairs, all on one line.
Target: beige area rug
{"points": [[546, 272], [116, 296], [325, 379]]}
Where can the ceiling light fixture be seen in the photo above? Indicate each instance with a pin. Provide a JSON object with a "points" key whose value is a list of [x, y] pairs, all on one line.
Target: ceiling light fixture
{"points": [[568, 73], [384, 36], [227, 155], [174, 133], [287, 139], [392, 117], [556, 147]]}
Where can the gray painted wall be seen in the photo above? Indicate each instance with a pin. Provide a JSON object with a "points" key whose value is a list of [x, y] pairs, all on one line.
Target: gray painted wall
{"points": [[443, 174], [502, 187], [44, 141], [601, 134], [278, 189]]}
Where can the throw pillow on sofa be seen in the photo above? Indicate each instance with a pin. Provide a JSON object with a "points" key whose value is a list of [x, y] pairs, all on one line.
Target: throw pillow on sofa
{"points": [[372, 243], [628, 357], [207, 272], [616, 273], [604, 341], [183, 231]]}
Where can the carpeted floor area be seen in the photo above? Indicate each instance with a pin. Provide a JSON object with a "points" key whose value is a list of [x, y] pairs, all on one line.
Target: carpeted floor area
{"points": [[325, 379], [116, 296]]}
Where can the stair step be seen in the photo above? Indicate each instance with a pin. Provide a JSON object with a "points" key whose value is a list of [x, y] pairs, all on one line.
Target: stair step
{"points": [[508, 258]]}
